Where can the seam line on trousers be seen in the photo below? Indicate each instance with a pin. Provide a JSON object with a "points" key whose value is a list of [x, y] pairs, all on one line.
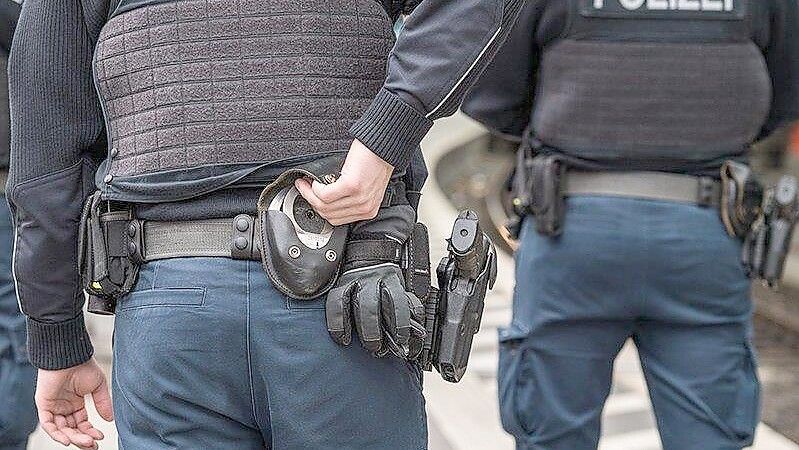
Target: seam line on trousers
{"points": [[249, 358]]}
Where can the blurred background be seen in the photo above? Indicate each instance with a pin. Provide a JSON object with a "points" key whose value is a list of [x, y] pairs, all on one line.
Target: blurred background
{"points": [[470, 168]]}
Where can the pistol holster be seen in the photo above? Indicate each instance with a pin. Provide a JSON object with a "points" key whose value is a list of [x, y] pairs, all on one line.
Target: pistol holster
{"points": [[741, 198]]}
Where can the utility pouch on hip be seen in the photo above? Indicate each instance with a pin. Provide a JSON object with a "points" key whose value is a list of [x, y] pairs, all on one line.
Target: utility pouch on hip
{"points": [[547, 205], [766, 247], [109, 253], [741, 199], [301, 252]]}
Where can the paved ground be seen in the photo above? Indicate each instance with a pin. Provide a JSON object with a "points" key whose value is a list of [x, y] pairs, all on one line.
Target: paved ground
{"points": [[464, 416]]}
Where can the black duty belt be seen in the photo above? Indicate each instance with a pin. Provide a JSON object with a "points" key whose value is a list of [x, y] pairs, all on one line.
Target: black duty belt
{"points": [[235, 238], [227, 238], [702, 191]]}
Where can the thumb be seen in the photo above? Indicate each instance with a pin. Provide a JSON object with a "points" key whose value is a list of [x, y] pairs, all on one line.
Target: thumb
{"points": [[102, 402]]}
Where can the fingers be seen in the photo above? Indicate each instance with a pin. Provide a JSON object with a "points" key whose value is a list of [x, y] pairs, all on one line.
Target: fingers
{"points": [[48, 425], [103, 403], [87, 428], [345, 201], [337, 313], [71, 429], [366, 312], [396, 314], [79, 438]]}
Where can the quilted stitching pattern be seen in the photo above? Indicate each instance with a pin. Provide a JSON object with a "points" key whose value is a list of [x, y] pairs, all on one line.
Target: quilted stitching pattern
{"points": [[203, 82]]}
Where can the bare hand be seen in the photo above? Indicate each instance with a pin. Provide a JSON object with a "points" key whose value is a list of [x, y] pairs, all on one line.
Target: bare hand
{"points": [[62, 408], [357, 194]]}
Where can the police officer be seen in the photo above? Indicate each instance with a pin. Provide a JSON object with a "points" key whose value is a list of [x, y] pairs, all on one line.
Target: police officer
{"points": [[17, 376], [181, 112], [629, 110]]}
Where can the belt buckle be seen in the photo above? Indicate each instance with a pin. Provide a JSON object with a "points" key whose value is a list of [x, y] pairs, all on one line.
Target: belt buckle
{"points": [[706, 192]]}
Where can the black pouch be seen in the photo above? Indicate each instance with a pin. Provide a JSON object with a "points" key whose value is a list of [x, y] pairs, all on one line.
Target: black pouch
{"points": [[416, 263], [301, 253], [547, 200], [741, 199], [109, 253]]}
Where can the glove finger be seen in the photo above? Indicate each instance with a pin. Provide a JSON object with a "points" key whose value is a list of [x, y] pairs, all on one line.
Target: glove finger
{"points": [[396, 312], [417, 308], [337, 313], [366, 312]]}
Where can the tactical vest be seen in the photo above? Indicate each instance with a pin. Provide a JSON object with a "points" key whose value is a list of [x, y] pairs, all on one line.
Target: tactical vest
{"points": [[194, 83], [653, 80]]}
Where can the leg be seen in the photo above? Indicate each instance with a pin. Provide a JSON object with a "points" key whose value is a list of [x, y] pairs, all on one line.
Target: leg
{"points": [[322, 395], [695, 341], [703, 385], [573, 310], [17, 376], [18, 415], [180, 359]]}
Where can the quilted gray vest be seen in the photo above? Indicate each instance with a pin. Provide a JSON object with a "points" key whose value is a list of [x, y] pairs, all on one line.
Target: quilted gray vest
{"points": [[193, 83], [636, 80]]}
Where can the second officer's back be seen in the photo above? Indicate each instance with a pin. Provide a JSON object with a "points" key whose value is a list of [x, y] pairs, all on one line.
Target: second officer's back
{"points": [[636, 119]]}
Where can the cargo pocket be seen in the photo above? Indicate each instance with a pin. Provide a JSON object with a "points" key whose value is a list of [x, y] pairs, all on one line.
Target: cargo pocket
{"points": [[747, 411], [511, 386]]}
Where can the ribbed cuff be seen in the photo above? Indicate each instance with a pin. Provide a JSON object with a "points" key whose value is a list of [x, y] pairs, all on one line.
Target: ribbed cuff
{"points": [[392, 129], [54, 346]]}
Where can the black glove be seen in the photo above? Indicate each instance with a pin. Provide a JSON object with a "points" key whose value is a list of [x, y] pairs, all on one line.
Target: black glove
{"points": [[396, 8], [371, 292]]}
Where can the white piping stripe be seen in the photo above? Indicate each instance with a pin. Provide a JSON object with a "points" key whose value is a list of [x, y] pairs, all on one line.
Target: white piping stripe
{"points": [[457, 85], [14, 266]]}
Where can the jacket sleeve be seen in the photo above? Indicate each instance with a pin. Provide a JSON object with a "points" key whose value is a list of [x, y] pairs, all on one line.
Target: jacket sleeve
{"points": [[57, 136], [443, 48], [503, 96], [782, 57]]}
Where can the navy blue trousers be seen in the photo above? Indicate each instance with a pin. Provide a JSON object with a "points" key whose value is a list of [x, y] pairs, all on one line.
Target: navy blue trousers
{"points": [[663, 274], [208, 355], [17, 376]]}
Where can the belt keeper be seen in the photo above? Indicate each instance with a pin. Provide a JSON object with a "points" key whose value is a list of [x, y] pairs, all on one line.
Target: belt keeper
{"points": [[135, 235], [242, 244], [706, 192]]}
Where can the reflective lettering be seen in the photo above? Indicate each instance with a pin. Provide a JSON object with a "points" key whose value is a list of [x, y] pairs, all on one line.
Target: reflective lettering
{"points": [[712, 5], [668, 5], [632, 5], [658, 5], [689, 5]]}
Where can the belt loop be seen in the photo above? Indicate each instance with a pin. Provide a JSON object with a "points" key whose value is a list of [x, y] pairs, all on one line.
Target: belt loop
{"points": [[706, 191]]}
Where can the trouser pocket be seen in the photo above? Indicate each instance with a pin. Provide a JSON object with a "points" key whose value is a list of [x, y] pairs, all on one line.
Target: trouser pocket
{"points": [[511, 363], [747, 413]]}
